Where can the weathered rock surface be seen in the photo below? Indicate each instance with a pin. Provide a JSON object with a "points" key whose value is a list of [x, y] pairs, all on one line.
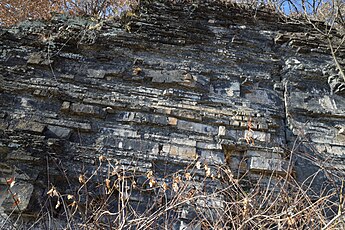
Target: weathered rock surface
{"points": [[164, 88]]}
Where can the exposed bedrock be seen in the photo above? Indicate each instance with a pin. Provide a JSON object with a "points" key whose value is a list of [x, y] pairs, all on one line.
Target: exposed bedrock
{"points": [[158, 91]]}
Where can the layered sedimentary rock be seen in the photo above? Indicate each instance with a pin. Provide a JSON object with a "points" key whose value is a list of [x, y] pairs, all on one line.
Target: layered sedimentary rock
{"points": [[159, 90]]}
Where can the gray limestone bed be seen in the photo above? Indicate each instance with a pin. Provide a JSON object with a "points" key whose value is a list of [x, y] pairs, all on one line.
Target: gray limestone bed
{"points": [[163, 89]]}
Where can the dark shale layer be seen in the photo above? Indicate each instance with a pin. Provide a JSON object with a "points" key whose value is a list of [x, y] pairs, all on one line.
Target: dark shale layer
{"points": [[156, 91]]}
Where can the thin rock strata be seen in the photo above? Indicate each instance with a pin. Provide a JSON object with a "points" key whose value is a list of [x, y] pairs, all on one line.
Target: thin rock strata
{"points": [[171, 86]]}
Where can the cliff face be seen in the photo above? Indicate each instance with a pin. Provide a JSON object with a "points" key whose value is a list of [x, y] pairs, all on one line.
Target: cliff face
{"points": [[160, 90]]}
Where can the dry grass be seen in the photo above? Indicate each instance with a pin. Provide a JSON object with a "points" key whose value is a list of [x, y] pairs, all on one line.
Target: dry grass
{"points": [[211, 196]]}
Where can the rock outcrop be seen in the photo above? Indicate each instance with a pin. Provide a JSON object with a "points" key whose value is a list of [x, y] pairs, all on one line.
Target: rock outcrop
{"points": [[157, 91]]}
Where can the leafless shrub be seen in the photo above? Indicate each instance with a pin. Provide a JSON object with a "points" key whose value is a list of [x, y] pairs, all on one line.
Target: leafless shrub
{"points": [[107, 200], [14, 11]]}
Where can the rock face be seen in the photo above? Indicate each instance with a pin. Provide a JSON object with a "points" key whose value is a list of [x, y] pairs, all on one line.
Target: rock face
{"points": [[155, 92]]}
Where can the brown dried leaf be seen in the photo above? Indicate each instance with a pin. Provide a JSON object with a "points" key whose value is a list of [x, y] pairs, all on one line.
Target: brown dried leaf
{"points": [[177, 179], [165, 186], [152, 182], [82, 179], [149, 174], [137, 71], [207, 170], [188, 176], [107, 183], [73, 204], [102, 158], [175, 187], [52, 192]]}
